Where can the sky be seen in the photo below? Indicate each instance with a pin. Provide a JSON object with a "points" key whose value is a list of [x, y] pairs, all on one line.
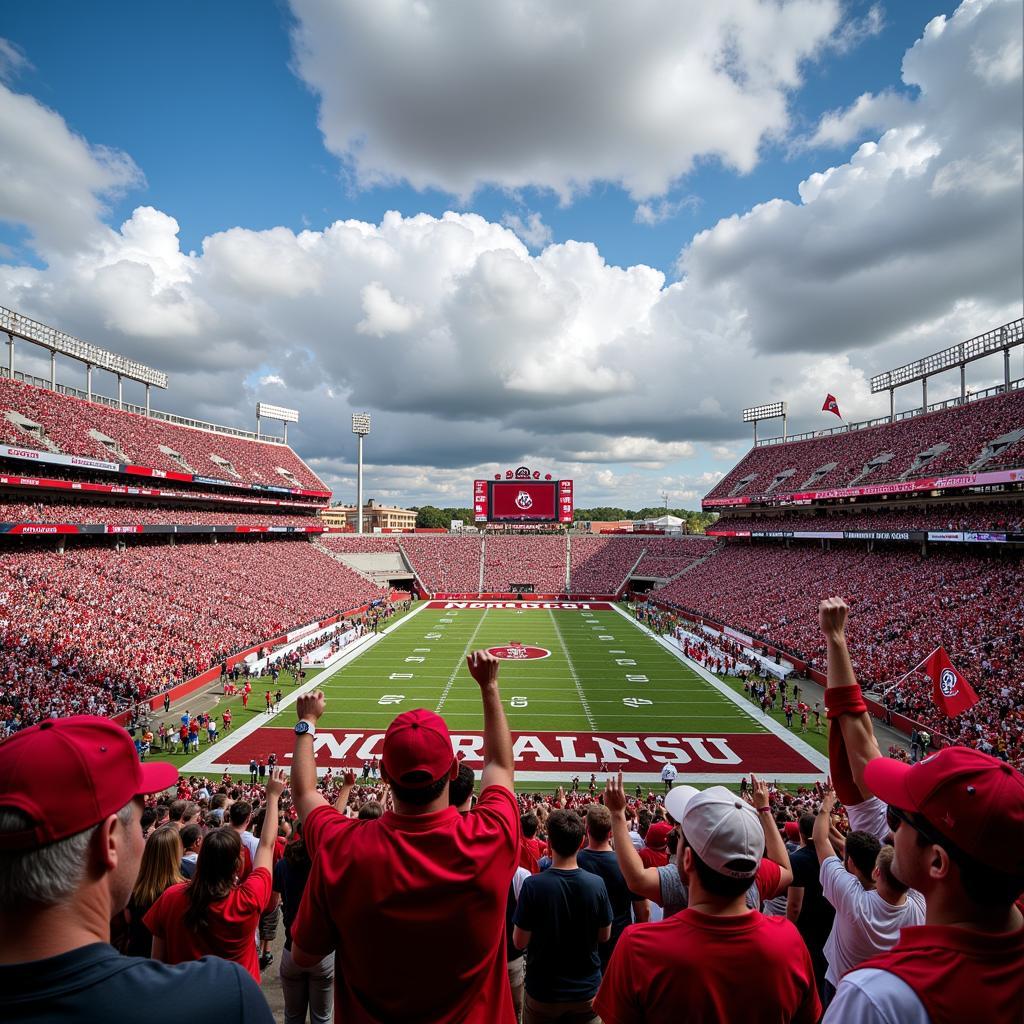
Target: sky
{"points": [[577, 235]]}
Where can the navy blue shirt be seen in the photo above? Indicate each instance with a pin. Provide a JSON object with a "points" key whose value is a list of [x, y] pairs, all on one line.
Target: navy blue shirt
{"points": [[290, 882], [563, 910], [95, 984], [605, 864]]}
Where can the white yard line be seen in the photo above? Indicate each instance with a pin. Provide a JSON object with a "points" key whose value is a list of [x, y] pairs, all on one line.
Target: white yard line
{"points": [[205, 761], [458, 664], [805, 749], [572, 672]]}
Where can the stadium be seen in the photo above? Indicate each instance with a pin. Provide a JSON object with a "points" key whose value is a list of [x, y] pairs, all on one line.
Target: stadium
{"points": [[230, 697]]}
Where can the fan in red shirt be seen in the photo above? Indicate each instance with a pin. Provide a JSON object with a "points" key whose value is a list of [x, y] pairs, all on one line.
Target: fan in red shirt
{"points": [[957, 820], [413, 902], [654, 852], [211, 915], [691, 964]]}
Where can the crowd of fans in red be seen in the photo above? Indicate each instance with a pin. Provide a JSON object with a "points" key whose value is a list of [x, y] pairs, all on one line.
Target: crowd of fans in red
{"points": [[536, 560], [965, 429], [972, 606], [67, 423], [93, 629], [131, 514], [993, 516]]}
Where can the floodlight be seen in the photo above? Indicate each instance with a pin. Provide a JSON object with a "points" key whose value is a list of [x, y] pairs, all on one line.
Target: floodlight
{"points": [[361, 423], [277, 412], [769, 411]]}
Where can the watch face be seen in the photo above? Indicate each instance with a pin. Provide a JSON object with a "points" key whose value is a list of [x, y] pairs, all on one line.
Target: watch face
{"points": [[301, 728]]}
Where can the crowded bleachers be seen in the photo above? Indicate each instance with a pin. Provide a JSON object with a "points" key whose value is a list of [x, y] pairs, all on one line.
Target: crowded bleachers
{"points": [[599, 565], [965, 430], [666, 556], [536, 560], [92, 628], [906, 604], [444, 563], [125, 514], [990, 517], [70, 425]]}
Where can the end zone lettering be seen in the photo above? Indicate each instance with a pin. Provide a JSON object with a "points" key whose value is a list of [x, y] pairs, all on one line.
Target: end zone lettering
{"points": [[541, 605]]}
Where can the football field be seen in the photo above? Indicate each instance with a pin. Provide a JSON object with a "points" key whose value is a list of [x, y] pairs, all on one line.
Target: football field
{"points": [[584, 687]]}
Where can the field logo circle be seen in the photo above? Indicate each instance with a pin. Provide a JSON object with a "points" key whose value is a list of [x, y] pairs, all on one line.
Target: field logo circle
{"points": [[519, 652], [947, 682]]}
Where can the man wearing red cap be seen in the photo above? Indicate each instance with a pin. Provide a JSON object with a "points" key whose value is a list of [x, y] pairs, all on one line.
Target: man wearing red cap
{"points": [[70, 848], [413, 902], [957, 821]]}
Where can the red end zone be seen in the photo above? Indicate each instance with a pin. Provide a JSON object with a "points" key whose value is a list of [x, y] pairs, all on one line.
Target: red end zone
{"points": [[557, 754]]}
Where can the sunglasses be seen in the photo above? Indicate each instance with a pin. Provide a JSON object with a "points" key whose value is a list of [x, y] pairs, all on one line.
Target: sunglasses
{"points": [[894, 817]]}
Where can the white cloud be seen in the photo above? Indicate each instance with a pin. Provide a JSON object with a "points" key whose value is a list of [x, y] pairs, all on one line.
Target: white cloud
{"points": [[533, 231], [659, 211], [456, 94], [556, 358], [12, 60]]}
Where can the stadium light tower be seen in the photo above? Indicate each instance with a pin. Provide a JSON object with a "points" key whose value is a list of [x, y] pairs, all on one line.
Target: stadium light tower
{"points": [[360, 427], [769, 411], [275, 412]]}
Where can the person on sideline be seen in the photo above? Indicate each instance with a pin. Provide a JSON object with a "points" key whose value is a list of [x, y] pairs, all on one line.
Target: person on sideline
{"points": [[423, 886], [71, 798]]}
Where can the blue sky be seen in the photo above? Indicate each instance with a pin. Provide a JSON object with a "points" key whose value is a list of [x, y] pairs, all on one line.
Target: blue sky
{"points": [[233, 133]]}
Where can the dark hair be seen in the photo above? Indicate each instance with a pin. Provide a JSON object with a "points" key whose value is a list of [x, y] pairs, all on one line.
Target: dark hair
{"points": [[672, 841], [718, 884], [462, 785], [189, 834], [529, 823], [643, 821], [215, 872], [807, 825], [599, 822], [177, 809], [371, 810], [240, 812], [565, 832], [862, 848], [295, 852], [419, 797], [218, 800], [148, 817]]}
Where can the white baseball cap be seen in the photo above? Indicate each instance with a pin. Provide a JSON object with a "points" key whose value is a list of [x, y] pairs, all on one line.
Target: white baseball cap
{"points": [[723, 830], [677, 799]]}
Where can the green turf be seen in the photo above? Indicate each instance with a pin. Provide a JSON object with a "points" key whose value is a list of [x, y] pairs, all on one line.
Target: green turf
{"points": [[579, 688]]}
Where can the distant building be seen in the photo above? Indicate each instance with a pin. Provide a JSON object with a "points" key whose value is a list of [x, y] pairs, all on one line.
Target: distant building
{"points": [[664, 524], [598, 526], [375, 517]]}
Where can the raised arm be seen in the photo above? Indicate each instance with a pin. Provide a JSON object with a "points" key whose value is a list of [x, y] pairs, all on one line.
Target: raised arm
{"points": [[309, 708], [774, 847], [499, 767], [265, 851], [341, 800], [846, 706], [822, 822], [641, 880]]}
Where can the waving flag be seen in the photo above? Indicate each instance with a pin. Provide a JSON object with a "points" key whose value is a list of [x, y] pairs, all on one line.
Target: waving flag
{"points": [[831, 405], [951, 691]]}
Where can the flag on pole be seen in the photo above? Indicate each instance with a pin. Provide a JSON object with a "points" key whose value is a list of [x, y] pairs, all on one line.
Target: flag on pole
{"points": [[831, 405], [950, 690]]}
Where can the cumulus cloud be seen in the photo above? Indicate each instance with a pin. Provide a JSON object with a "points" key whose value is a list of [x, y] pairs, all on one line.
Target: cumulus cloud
{"points": [[455, 94], [475, 353], [533, 231]]}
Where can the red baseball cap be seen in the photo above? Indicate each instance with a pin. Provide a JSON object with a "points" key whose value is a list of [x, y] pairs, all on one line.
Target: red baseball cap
{"points": [[657, 835], [68, 774], [417, 749], [791, 829], [972, 799]]}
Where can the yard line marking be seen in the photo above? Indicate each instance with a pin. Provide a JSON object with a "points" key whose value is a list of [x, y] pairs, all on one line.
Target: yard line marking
{"points": [[458, 664], [572, 672]]}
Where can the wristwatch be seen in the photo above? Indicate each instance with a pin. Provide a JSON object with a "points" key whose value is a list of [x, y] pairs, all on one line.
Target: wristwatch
{"points": [[304, 728]]}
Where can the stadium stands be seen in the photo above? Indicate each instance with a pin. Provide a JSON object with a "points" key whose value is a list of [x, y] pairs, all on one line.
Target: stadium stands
{"points": [[665, 556], [958, 438], [95, 626], [599, 565], [135, 513], [444, 563], [904, 606], [76, 427], [536, 560], [992, 516]]}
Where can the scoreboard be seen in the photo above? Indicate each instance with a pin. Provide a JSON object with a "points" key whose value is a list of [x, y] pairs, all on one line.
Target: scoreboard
{"points": [[521, 496]]}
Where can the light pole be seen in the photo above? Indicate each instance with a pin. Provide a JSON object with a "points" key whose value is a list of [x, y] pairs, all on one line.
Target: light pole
{"points": [[360, 427]]}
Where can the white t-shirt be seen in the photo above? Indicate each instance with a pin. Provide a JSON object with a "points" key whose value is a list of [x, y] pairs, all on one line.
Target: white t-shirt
{"points": [[865, 924], [872, 996], [669, 773]]}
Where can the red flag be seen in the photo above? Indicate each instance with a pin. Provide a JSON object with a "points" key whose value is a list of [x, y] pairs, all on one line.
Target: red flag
{"points": [[831, 405], [950, 690]]}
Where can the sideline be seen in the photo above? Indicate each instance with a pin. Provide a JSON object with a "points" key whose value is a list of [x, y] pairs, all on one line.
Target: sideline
{"points": [[205, 761], [766, 722]]}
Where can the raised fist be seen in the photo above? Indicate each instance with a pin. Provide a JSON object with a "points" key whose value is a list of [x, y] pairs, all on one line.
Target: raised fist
{"points": [[832, 616], [310, 706], [483, 667]]}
